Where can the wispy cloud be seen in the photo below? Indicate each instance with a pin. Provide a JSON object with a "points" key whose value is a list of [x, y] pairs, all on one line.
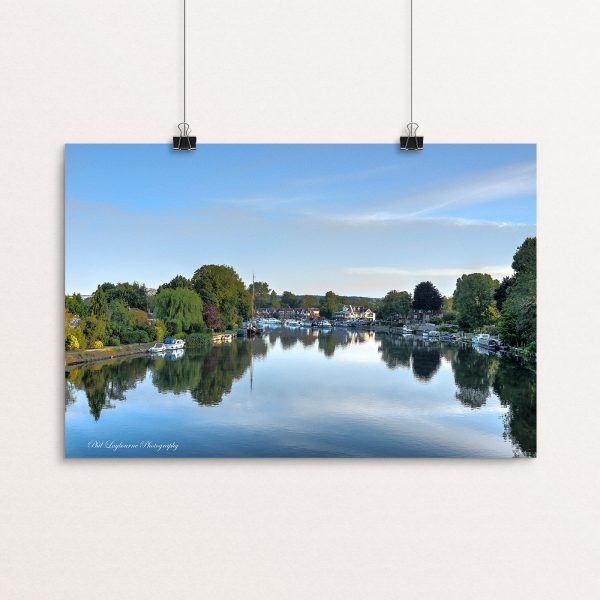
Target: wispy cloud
{"points": [[432, 272], [504, 183], [383, 217]]}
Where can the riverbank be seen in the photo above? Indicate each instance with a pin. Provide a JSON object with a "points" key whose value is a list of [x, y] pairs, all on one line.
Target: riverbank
{"points": [[78, 357]]}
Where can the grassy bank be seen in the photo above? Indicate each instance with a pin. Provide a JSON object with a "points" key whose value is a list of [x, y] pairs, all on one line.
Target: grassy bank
{"points": [[77, 357]]}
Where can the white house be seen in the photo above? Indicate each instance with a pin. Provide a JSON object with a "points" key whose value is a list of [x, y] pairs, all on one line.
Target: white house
{"points": [[354, 313]]}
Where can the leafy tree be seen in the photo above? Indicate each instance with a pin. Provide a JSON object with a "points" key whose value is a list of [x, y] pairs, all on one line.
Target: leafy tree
{"points": [[330, 304], [75, 305], [179, 281], [517, 322], [501, 292], [308, 302], [395, 305], [288, 299], [222, 287], [94, 328], [99, 304], [133, 294], [474, 300], [120, 314], [427, 297], [274, 300], [262, 297], [524, 260], [160, 330], [180, 308], [212, 319]]}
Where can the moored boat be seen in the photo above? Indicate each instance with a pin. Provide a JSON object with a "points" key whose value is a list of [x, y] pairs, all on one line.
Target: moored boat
{"points": [[158, 347], [481, 339]]}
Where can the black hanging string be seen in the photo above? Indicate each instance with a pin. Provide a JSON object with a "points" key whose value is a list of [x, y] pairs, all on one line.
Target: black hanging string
{"points": [[411, 141], [184, 57], [184, 141], [411, 60]]}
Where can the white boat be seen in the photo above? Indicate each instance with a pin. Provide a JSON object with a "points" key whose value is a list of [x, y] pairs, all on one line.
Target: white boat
{"points": [[268, 322], [158, 347], [292, 323], [325, 324], [407, 330], [481, 339], [434, 335], [179, 344]]}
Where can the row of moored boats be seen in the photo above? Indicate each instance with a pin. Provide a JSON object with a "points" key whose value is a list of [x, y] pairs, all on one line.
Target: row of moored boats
{"points": [[168, 345]]}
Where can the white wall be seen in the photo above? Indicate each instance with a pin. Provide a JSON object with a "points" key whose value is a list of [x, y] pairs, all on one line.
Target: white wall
{"points": [[298, 71]]}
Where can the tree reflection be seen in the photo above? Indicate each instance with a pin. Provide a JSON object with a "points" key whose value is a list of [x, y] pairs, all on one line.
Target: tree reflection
{"points": [[473, 376], [396, 351], [426, 361], [104, 382], [515, 385]]}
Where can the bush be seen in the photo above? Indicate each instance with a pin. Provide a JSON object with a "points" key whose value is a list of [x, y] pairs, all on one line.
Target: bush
{"points": [[198, 340], [140, 337], [449, 316], [114, 341], [97, 345], [72, 343]]}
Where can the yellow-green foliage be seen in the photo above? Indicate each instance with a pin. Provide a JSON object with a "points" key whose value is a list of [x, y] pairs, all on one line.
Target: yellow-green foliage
{"points": [[98, 344], [140, 316], [72, 342], [161, 330]]}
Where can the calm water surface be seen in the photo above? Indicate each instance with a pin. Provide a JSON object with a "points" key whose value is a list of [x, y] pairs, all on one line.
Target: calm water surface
{"points": [[304, 393]]}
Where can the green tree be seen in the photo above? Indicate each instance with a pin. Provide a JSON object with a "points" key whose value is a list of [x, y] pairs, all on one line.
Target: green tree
{"points": [[427, 297], [75, 305], [518, 317], [95, 329], [394, 306], [221, 286], [288, 299], [133, 294], [330, 304], [179, 281], [262, 297], [474, 300], [501, 292], [308, 302], [99, 304], [181, 309], [274, 300]]}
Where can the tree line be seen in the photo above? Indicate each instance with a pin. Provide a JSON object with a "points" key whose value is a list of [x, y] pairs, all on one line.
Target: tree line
{"points": [[479, 301], [216, 298]]}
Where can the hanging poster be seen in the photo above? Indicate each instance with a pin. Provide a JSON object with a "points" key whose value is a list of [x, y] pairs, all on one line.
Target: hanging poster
{"points": [[300, 300]]}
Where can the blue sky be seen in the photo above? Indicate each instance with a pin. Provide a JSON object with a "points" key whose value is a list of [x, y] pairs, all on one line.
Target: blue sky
{"points": [[359, 219]]}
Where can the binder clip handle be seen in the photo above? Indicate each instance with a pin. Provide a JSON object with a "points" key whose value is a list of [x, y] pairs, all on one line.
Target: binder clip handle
{"points": [[184, 141], [411, 141]]}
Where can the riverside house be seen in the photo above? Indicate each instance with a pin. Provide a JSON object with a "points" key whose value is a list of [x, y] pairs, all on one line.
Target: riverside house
{"points": [[354, 313]]}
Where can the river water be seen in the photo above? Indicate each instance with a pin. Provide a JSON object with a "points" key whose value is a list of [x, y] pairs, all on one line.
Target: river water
{"points": [[298, 392]]}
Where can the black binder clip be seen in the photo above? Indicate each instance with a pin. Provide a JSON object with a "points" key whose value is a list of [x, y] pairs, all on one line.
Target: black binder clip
{"points": [[185, 141], [411, 141]]}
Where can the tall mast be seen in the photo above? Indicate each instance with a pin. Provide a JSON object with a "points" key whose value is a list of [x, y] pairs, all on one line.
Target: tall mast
{"points": [[253, 300]]}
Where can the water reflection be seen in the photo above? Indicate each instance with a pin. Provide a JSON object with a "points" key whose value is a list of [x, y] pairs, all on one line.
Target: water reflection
{"points": [[209, 376]]}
